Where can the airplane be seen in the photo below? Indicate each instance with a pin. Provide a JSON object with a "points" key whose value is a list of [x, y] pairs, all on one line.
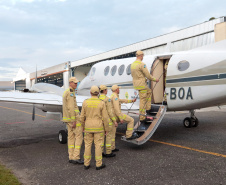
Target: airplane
{"points": [[194, 79]]}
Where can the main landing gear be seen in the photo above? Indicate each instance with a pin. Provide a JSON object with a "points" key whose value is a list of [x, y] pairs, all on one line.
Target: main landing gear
{"points": [[62, 136], [191, 121]]}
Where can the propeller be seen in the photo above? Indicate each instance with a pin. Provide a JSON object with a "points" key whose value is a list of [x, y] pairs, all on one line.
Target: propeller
{"points": [[33, 113]]}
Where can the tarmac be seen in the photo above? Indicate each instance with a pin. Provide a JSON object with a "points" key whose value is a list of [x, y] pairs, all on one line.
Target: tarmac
{"points": [[174, 155]]}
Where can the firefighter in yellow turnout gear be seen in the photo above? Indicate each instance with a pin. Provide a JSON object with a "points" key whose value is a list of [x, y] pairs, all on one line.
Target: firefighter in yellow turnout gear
{"points": [[71, 117], [112, 121], [95, 119], [120, 117], [140, 75]]}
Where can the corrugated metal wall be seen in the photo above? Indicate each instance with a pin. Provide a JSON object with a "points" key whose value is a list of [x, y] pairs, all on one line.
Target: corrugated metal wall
{"points": [[191, 43], [185, 39]]}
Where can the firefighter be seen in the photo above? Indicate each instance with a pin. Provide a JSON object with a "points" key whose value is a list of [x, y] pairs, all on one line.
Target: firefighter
{"points": [[112, 121], [71, 117], [95, 119], [140, 75], [120, 117]]}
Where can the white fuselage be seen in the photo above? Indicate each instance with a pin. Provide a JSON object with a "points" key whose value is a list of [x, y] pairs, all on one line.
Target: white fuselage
{"points": [[194, 79]]}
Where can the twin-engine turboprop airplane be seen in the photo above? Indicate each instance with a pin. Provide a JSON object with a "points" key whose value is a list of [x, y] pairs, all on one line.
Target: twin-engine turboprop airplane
{"points": [[193, 79]]}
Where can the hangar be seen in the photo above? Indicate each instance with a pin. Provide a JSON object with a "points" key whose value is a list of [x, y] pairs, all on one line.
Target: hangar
{"points": [[185, 39]]}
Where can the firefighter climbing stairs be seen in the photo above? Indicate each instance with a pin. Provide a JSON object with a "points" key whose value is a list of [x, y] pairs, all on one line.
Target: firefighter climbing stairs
{"points": [[157, 112]]}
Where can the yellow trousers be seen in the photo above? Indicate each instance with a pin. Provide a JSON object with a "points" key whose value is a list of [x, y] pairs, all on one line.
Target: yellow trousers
{"points": [[113, 137], [75, 139], [145, 102], [98, 141], [107, 140], [130, 126]]}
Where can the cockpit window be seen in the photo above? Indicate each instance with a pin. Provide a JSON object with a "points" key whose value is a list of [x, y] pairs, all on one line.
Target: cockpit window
{"points": [[128, 70], [183, 65], [89, 73], [121, 69], [106, 70], [93, 71], [113, 70]]}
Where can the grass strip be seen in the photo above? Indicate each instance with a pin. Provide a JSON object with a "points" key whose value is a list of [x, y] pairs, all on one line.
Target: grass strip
{"points": [[7, 178]]}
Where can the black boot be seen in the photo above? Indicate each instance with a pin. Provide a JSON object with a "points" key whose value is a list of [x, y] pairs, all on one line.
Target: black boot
{"points": [[78, 161], [110, 155], [142, 127], [100, 167], [134, 136], [115, 150], [86, 167]]}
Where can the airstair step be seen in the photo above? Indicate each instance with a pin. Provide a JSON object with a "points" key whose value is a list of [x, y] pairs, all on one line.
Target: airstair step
{"points": [[147, 130]]}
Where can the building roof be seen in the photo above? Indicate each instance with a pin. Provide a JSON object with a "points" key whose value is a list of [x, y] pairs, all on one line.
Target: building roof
{"points": [[163, 40]]}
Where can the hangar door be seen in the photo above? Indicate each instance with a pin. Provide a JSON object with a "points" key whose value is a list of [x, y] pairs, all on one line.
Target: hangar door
{"points": [[20, 85]]}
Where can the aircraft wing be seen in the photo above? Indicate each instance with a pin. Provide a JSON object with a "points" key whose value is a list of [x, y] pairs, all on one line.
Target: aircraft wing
{"points": [[36, 98]]}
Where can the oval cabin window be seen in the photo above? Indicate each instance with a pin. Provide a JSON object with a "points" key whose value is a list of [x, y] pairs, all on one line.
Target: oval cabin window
{"points": [[113, 70], [128, 70], [183, 65], [121, 69], [106, 70]]}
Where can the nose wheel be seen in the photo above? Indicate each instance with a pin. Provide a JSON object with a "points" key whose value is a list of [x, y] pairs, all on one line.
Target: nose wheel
{"points": [[191, 121]]}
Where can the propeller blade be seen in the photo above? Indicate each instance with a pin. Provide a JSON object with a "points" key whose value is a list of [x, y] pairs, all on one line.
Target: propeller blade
{"points": [[33, 113]]}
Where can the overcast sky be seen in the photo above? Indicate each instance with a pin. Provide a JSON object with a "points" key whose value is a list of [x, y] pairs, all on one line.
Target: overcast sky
{"points": [[50, 32]]}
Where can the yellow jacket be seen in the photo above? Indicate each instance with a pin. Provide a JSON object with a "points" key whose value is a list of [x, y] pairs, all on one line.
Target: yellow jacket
{"points": [[107, 102], [94, 115], [139, 73], [116, 105], [70, 108]]}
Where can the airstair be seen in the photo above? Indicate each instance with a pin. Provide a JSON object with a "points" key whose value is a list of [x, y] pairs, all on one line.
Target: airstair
{"points": [[157, 112]]}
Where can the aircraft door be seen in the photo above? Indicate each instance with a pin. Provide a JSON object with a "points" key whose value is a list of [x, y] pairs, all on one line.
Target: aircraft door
{"points": [[159, 70]]}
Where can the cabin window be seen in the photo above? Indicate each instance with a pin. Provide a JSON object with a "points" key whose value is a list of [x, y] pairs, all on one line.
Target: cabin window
{"points": [[121, 69], [113, 70], [128, 70], [183, 65], [106, 70], [93, 71]]}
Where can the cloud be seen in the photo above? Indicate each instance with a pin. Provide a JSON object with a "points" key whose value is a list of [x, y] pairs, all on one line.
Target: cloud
{"points": [[7, 73], [49, 32]]}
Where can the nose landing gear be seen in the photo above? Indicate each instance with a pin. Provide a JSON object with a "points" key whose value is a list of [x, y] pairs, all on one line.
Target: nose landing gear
{"points": [[191, 121]]}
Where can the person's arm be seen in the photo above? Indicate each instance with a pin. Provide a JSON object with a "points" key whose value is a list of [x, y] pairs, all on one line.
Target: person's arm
{"points": [[105, 118], [147, 74], [83, 114], [109, 110], [127, 101], [67, 107], [76, 111], [116, 107]]}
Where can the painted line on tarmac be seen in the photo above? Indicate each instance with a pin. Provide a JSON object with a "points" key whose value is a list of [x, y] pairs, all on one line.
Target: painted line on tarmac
{"points": [[21, 111], [189, 148], [184, 147], [14, 123]]}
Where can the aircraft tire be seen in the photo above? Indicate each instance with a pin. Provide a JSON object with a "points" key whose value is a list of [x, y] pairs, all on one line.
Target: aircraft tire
{"points": [[62, 137], [187, 122], [195, 122]]}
